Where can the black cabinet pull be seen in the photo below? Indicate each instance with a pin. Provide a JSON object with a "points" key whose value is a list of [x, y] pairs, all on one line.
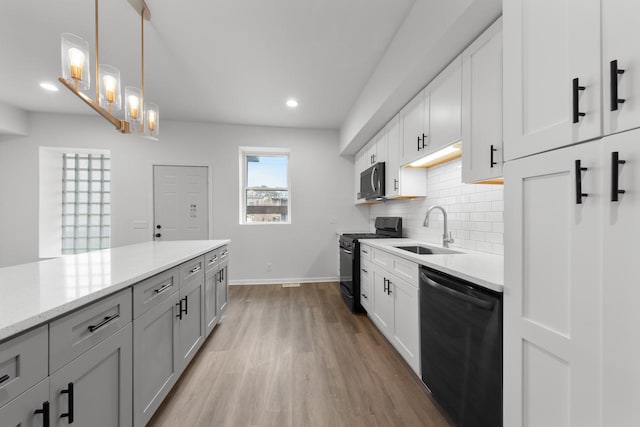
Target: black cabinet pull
{"points": [[158, 235], [158, 226], [185, 310], [45, 414], [69, 413], [388, 287], [364, 296], [222, 274], [419, 148], [576, 102], [163, 288], [384, 288], [615, 72], [179, 315], [579, 193], [493, 150], [395, 184], [364, 270], [424, 139], [106, 320], [615, 163], [4, 378]]}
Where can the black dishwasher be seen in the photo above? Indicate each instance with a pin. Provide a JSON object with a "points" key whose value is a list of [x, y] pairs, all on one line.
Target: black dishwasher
{"points": [[461, 348]]}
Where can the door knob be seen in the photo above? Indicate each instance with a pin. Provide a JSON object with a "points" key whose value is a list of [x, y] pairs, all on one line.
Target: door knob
{"points": [[158, 235]]}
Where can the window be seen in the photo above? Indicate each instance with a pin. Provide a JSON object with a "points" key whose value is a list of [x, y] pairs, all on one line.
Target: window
{"points": [[264, 186], [86, 202]]}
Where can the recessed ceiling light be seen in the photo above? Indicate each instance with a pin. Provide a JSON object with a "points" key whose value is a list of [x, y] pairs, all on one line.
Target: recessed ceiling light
{"points": [[49, 86], [292, 103]]}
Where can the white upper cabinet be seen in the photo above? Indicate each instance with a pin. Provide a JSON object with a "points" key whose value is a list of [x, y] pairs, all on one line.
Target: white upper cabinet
{"points": [[414, 122], [619, 42], [401, 182], [551, 74], [482, 107], [445, 105]]}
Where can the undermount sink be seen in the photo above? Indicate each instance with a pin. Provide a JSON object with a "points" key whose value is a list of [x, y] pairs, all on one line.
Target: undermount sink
{"points": [[427, 250]]}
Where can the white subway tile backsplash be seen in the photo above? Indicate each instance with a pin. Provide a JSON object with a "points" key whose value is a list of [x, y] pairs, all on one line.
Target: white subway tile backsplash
{"points": [[475, 211]]}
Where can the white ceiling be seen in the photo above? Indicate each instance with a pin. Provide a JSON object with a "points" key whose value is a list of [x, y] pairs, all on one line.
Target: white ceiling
{"points": [[229, 61]]}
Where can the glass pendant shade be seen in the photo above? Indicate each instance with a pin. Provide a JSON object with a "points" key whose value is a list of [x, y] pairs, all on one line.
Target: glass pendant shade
{"points": [[152, 119], [110, 88], [75, 61], [132, 108]]}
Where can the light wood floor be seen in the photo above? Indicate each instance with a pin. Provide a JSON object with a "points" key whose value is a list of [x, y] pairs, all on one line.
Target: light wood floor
{"points": [[296, 357]]}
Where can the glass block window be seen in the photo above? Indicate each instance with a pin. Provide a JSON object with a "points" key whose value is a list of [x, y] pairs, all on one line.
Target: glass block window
{"points": [[86, 203]]}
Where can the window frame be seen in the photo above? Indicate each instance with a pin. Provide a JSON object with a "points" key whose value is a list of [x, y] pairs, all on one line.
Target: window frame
{"points": [[245, 152]]}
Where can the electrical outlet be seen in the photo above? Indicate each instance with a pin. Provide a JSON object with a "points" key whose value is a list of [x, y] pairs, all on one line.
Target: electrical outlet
{"points": [[268, 266]]}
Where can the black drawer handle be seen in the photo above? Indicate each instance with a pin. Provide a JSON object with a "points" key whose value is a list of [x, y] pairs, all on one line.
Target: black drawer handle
{"points": [[106, 320], [179, 304], [4, 378], [214, 259], [69, 413], [224, 254], [222, 275], [576, 101], [420, 148], [424, 139], [615, 163], [579, 193], [364, 270], [615, 72], [364, 296], [195, 269], [389, 283], [163, 288], [45, 414], [493, 150]]}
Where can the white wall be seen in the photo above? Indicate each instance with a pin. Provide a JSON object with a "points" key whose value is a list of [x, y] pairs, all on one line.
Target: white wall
{"points": [[432, 35], [474, 211], [305, 250], [13, 121]]}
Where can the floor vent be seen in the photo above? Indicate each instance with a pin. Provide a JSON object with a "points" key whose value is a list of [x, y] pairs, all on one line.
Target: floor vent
{"points": [[291, 285]]}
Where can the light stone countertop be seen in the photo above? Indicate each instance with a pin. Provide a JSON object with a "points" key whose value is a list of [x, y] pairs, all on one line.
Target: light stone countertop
{"points": [[35, 293], [486, 270]]}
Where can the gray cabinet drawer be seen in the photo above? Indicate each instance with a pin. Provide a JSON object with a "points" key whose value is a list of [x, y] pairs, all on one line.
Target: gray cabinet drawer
{"points": [[223, 254], [154, 290], [23, 363], [21, 411], [72, 335], [191, 269], [211, 260]]}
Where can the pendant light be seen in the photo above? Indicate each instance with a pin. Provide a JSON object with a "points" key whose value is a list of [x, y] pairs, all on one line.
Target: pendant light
{"points": [[75, 60]]}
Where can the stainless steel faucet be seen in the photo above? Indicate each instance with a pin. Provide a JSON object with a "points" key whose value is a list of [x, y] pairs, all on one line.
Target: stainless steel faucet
{"points": [[446, 237]]}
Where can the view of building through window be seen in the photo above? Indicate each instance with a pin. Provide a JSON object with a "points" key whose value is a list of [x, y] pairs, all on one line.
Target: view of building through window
{"points": [[86, 203], [266, 188]]}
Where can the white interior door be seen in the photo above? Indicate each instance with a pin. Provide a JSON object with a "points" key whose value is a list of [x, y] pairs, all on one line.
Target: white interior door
{"points": [[180, 203]]}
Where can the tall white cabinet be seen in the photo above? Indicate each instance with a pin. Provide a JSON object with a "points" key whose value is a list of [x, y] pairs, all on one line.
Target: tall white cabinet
{"points": [[553, 289]]}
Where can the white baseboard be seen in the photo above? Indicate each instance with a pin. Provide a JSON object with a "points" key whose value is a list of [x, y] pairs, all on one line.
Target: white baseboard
{"points": [[281, 281]]}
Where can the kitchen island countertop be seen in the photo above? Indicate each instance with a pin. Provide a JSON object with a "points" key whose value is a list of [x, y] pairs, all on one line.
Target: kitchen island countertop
{"points": [[35, 293]]}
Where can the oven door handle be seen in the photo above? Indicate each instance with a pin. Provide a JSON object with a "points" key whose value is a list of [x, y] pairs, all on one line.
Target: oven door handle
{"points": [[478, 302], [346, 251]]}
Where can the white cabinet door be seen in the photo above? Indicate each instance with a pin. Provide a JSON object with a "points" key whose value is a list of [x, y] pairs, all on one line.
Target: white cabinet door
{"points": [[382, 314], [96, 388], [552, 311], [415, 129], [155, 356], [378, 147], [191, 326], [392, 168], [621, 294], [406, 322], [548, 44], [619, 43], [366, 285], [21, 411], [482, 107], [445, 106]]}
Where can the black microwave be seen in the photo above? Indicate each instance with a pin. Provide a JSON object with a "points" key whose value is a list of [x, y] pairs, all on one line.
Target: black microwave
{"points": [[372, 182]]}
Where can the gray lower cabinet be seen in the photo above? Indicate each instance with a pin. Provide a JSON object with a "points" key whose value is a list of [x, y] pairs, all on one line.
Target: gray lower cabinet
{"points": [[222, 286], [155, 356], [210, 304], [96, 388], [192, 329], [22, 410]]}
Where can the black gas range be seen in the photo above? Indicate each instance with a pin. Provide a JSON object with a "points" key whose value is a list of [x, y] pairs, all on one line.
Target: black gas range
{"points": [[386, 227]]}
